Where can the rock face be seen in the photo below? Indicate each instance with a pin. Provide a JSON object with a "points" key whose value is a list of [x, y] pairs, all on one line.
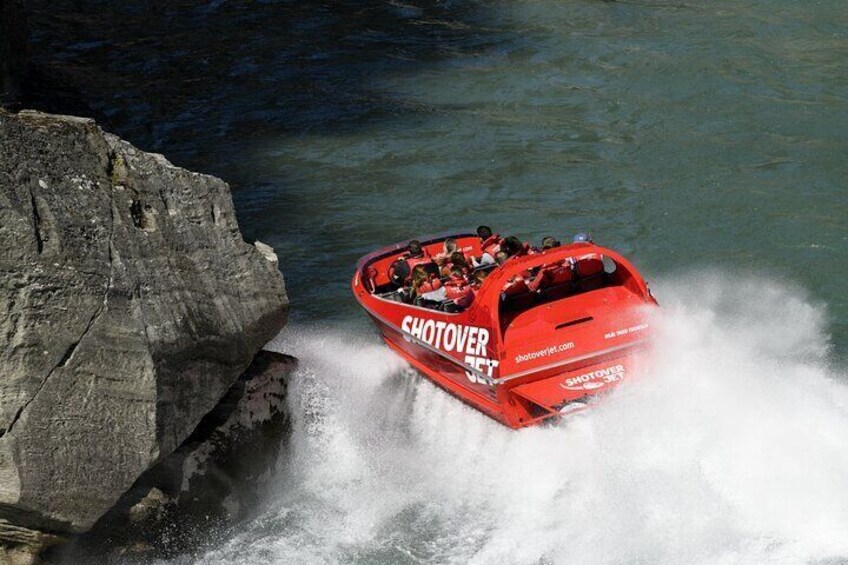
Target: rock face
{"points": [[129, 305], [216, 478]]}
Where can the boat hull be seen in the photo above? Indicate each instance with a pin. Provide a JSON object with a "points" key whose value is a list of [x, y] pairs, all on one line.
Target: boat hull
{"points": [[547, 394]]}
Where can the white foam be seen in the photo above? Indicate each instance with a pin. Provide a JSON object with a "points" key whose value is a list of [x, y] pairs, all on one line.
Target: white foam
{"points": [[731, 448]]}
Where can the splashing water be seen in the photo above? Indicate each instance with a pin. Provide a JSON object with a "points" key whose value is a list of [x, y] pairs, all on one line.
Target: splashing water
{"points": [[731, 448]]}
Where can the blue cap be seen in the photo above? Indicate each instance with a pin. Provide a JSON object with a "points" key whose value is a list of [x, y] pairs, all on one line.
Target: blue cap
{"points": [[582, 237]]}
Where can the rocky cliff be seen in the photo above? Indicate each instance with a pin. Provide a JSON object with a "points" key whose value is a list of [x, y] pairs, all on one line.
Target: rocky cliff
{"points": [[129, 305]]}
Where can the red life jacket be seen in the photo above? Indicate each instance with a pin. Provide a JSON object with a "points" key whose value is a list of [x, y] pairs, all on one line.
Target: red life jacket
{"points": [[429, 286], [413, 261], [446, 270], [551, 275], [526, 272], [492, 244], [589, 267], [458, 290], [515, 286]]}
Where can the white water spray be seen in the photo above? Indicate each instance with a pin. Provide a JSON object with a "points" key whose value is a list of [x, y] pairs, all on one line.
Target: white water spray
{"points": [[732, 448]]}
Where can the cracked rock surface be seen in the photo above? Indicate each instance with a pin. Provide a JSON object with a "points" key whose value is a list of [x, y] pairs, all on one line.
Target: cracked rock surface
{"points": [[129, 305]]}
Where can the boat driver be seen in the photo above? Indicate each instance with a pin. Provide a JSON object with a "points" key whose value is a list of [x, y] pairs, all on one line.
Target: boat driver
{"points": [[415, 254]]}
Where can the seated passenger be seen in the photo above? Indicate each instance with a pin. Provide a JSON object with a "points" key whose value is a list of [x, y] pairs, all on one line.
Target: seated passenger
{"points": [[424, 282], [448, 248], [415, 254], [514, 247], [399, 272], [490, 244], [458, 289], [478, 278], [457, 259], [401, 276], [581, 237], [549, 243]]}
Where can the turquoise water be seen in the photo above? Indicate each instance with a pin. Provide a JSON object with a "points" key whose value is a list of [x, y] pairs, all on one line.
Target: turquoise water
{"points": [[707, 141]]}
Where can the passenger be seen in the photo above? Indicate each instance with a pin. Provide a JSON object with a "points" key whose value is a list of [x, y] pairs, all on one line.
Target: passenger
{"points": [[514, 247], [448, 248], [399, 272], [414, 249], [401, 276], [478, 278], [424, 282], [457, 259], [549, 243], [581, 237], [490, 244], [416, 254], [458, 289]]}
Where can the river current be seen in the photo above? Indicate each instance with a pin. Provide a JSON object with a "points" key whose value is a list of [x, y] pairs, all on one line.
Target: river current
{"points": [[704, 140]]}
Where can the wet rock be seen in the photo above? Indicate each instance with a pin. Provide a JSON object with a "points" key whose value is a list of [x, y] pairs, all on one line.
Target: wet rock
{"points": [[22, 546], [129, 306], [214, 480]]}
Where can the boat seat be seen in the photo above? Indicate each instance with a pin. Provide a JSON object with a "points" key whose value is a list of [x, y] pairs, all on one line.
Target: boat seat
{"points": [[552, 275], [590, 273], [516, 295]]}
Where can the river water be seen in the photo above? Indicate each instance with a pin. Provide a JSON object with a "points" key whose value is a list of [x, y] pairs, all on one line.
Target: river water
{"points": [[706, 141]]}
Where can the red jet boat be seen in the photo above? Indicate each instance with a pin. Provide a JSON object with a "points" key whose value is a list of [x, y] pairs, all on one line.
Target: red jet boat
{"points": [[521, 353]]}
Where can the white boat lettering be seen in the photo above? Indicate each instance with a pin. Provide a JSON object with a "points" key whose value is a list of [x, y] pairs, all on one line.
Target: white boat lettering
{"points": [[625, 331], [594, 379], [450, 337]]}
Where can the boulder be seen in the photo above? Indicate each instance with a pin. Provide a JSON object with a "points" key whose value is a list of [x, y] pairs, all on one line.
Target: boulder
{"points": [[217, 478], [129, 306]]}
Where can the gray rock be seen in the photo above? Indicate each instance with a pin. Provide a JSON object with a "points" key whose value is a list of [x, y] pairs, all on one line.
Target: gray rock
{"points": [[129, 305], [214, 480], [22, 546]]}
